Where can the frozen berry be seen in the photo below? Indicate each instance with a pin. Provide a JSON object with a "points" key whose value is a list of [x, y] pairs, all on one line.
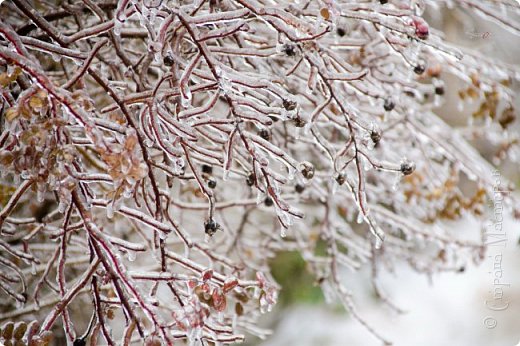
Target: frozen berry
{"points": [[207, 169], [388, 105], [168, 60], [211, 227], [289, 49], [212, 183], [340, 179], [407, 167], [419, 69], [250, 180], [289, 105], [299, 122], [375, 136], [264, 133], [307, 169]]}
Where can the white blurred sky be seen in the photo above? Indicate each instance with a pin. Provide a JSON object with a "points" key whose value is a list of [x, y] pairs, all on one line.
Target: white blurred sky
{"points": [[449, 312]]}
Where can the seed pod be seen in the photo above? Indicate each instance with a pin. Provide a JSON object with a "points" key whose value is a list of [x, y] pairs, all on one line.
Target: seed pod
{"points": [[407, 167], [388, 105], [299, 188], [307, 169], [340, 178], [268, 201], [212, 183]]}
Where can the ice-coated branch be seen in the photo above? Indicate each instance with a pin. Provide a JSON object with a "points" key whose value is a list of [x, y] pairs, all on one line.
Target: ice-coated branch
{"points": [[156, 155]]}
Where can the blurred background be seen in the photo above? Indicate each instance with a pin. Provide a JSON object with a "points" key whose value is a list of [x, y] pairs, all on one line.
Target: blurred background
{"points": [[449, 309], [445, 309]]}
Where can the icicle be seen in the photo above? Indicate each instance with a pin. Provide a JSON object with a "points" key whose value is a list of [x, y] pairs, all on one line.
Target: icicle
{"points": [[110, 210], [290, 172], [62, 206], [359, 218], [397, 181], [460, 105], [40, 193], [263, 161], [163, 235], [264, 305], [225, 175], [55, 57], [307, 130], [297, 133], [259, 197], [131, 256], [284, 216], [379, 243], [19, 304], [128, 191], [328, 292], [26, 175], [117, 26], [186, 96]]}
